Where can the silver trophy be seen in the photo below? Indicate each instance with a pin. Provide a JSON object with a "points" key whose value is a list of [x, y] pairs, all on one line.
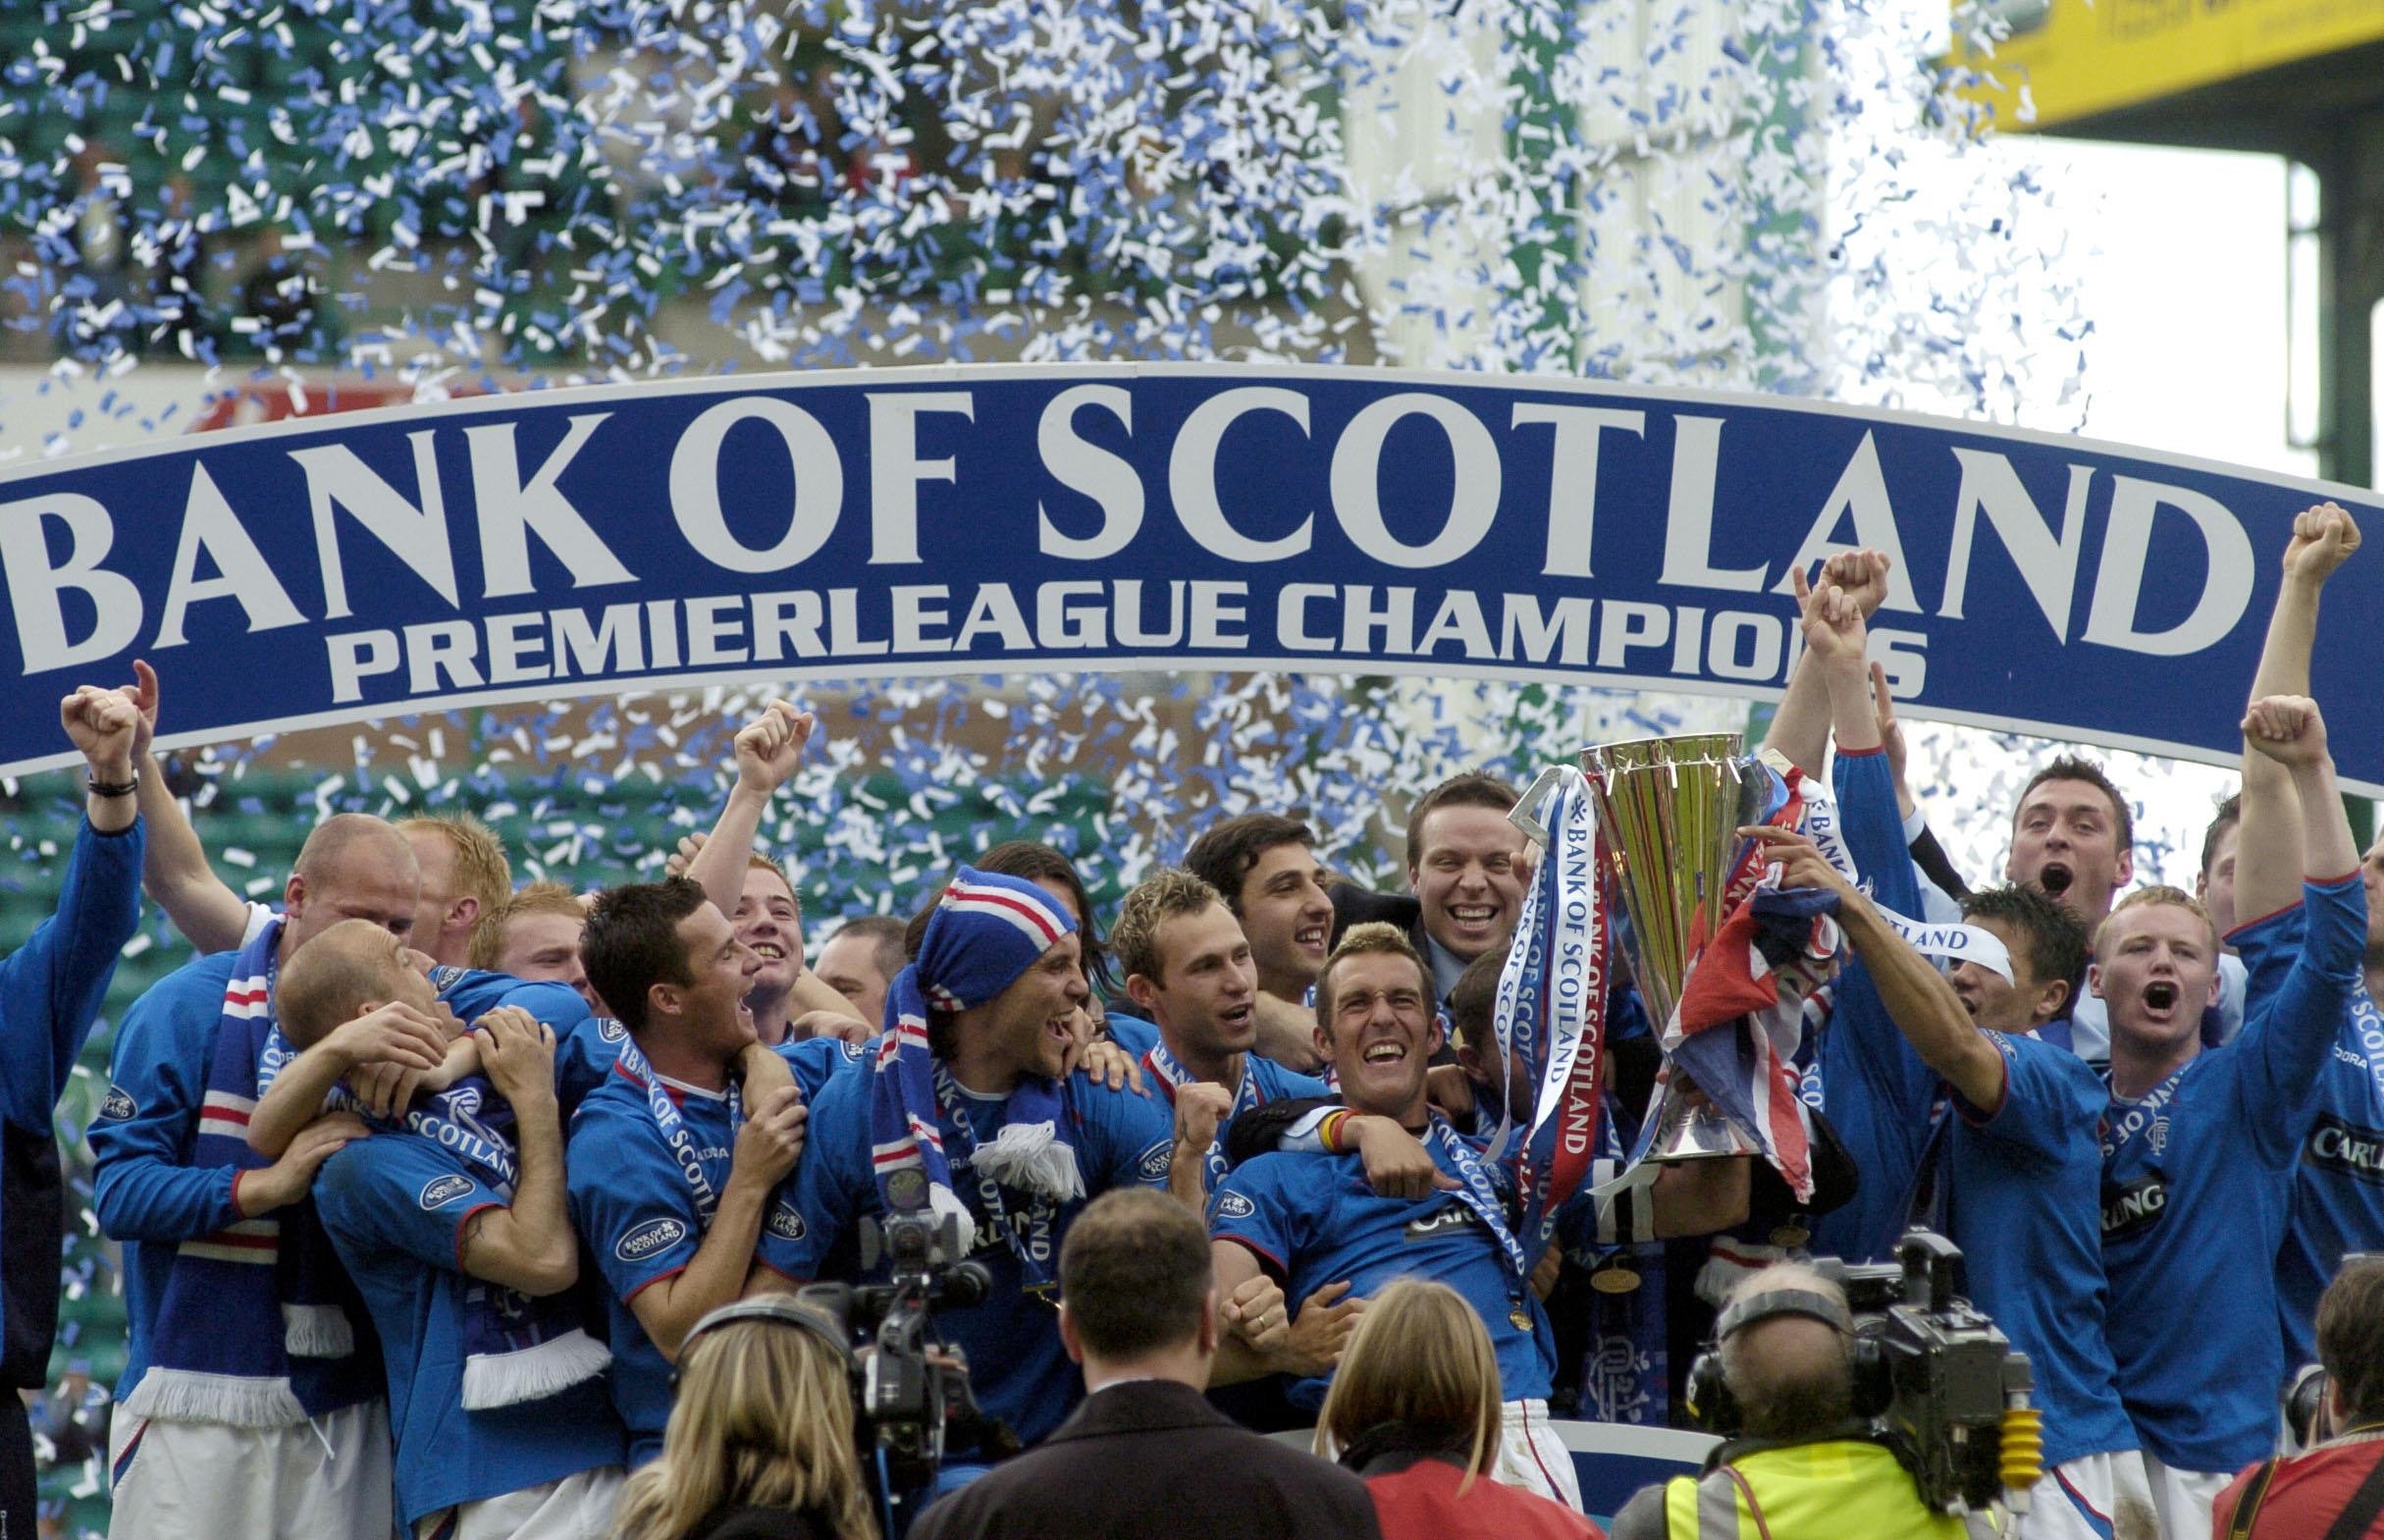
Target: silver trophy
{"points": [[1669, 812]]}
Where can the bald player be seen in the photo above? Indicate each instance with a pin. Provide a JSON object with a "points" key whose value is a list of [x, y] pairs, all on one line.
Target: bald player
{"points": [[218, 1413]]}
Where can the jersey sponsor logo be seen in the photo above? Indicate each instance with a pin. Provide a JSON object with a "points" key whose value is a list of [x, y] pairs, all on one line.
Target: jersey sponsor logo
{"points": [[1157, 1160], [785, 1223], [2347, 1150], [2134, 1208], [1450, 1217], [117, 1104], [648, 1238], [610, 1030], [1232, 1205], [438, 1192]]}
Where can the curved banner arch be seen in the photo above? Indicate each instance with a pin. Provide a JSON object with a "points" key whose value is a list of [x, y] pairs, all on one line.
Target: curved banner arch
{"points": [[997, 518]]}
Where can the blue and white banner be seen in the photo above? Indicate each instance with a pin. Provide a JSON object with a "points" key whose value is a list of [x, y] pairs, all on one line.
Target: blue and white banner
{"points": [[998, 518]]}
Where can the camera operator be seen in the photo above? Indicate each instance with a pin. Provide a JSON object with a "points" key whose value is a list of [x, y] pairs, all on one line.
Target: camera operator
{"points": [[2337, 1487], [760, 1443], [1139, 1312], [1805, 1466]]}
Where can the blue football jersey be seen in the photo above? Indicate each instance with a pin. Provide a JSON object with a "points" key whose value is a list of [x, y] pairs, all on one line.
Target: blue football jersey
{"points": [[2197, 1182], [2021, 1190], [2338, 1183], [640, 1222], [1015, 1364], [1877, 1094], [150, 1197], [395, 1207], [1313, 1220]]}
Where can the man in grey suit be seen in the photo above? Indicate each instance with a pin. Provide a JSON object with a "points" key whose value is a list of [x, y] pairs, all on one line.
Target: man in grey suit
{"points": [[1146, 1455]]}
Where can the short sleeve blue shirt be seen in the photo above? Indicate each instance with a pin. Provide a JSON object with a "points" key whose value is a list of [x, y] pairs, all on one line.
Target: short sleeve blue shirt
{"points": [[1313, 1220], [395, 1207], [2021, 1197], [640, 1222]]}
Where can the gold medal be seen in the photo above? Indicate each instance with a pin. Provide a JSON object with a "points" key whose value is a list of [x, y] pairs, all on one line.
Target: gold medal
{"points": [[1521, 1316], [1788, 1237], [1616, 1279]]}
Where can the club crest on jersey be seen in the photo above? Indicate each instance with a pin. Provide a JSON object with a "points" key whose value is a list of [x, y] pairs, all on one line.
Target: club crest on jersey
{"points": [[2156, 1138], [1157, 1160], [653, 1235], [610, 1030], [1449, 1216], [1232, 1205], [2134, 1207], [117, 1104], [438, 1192], [785, 1223]]}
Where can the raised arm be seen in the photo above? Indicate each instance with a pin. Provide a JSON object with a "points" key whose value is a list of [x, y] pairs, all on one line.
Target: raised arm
{"points": [[2290, 1039], [174, 871], [2269, 857], [1916, 998], [51, 988], [2289, 730], [1800, 726], [767, 749], [1850, 587]]}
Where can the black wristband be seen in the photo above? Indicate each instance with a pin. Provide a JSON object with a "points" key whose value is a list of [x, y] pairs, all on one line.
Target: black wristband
{"points": [[111, 788]]}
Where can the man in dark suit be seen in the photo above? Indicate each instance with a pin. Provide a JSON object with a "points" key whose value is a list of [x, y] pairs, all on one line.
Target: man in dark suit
{"points": [[1466, 869], [1145, 1455]]}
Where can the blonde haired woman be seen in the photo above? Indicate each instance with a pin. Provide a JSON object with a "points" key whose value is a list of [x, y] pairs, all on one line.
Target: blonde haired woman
{"points": [[760, 1443], [1414, 1410]]}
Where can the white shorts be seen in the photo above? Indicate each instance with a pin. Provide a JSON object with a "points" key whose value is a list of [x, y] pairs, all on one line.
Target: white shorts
{"points": [[2095, 1497], [328, 1479], [577, 1507], [2182, 1498], [1532, 1458]]}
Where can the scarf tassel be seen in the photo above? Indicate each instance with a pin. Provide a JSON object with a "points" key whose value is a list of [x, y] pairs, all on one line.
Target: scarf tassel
{"points": [[1032, 1157], [507, 1379], [317, 1331], [238, 1401]]}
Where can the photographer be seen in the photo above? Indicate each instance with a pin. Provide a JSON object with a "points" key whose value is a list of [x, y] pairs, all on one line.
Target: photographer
{"points": [[2337, 1487], [760, 1443], [1805, 1464]]}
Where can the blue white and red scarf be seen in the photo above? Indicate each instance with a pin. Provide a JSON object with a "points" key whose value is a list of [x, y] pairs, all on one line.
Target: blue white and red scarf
{"points": [[986, 929], [238, 1304]]}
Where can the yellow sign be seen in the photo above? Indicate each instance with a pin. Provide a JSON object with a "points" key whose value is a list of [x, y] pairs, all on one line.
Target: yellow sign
{"points": [[2069, 58]]}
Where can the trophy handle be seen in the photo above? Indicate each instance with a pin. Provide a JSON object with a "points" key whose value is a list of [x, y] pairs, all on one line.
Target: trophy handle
{"points": [[1551, 776]]}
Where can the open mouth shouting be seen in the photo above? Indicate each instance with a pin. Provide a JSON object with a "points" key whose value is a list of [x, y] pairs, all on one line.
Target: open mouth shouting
{"points": [[2160, 997], [2055, 879]]}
